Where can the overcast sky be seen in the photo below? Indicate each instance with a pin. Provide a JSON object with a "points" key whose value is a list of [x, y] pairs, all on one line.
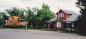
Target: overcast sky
{"points": [[54, 4]]}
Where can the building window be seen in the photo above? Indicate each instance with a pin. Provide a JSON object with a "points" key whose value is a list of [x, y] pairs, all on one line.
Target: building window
{"points": [[61, 15]]}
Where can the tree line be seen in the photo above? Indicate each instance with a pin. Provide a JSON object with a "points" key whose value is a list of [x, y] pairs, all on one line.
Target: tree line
{"points": [[81, 24], [43, 14]]}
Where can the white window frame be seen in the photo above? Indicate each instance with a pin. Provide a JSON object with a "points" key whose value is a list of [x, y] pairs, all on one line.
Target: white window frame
{"points": [[61, 15]]}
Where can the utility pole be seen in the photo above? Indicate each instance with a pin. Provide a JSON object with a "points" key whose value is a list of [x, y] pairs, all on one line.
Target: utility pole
{"points": [[58, 18], [34, 17]]}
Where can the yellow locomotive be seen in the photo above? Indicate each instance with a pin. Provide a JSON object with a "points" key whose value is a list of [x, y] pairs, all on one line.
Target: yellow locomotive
{"points": [[15, 21]]}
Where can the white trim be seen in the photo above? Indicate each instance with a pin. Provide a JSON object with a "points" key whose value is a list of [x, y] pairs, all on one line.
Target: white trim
{"points": [[68, 22]]}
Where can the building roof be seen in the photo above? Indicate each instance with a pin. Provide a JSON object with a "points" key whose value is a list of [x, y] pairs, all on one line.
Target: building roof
{"points": [[73, 17], [52, 20], [68, 11]]}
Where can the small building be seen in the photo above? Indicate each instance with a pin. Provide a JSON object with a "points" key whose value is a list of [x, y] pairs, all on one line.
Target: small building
{"points": [[66, 18], [52, 24]]}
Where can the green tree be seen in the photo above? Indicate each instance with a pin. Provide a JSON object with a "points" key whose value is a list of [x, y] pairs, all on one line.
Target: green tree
{"points": [[44, 14], [82, 23], [21, 13], [29, 14], [14, 11], [2, 19]]}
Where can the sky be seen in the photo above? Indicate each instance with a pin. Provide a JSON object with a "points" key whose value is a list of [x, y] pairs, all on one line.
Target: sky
{"points": [[54, 4]]}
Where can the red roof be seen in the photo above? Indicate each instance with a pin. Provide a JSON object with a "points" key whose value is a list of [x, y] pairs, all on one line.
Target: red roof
{"points": [[65, 11]]}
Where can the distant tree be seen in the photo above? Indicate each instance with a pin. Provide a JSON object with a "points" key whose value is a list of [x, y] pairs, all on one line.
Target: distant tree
{"points": [[82, 23], [1, 15], [44, 14], [14, 11], [29, 14], [21, 13], [2, 19]]}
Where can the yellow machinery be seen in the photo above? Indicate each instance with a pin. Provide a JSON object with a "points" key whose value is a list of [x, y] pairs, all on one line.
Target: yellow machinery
{"points": [[15, 21]]}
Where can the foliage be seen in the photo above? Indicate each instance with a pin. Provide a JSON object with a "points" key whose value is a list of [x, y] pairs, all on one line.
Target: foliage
{"points": [[2, 19], [14, 11], [82, 5], [82, 23], [43, 14], [29, 13], [1, 16]]}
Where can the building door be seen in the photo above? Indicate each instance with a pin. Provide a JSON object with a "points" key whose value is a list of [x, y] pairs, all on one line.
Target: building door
{"points": [[69, 25]]}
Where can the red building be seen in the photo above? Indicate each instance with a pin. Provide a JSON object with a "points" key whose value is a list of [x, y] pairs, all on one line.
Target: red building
{"points": [[63, 15], [66, 19]]}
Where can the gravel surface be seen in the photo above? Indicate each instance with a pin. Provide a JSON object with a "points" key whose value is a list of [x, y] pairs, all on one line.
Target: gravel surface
{"points": [[36, 34]]}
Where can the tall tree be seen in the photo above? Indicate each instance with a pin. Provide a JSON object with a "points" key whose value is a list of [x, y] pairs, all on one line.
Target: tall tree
{"points": [[82, 23], [29, 14], [14, 11], [44, 14], [2, 18]]}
